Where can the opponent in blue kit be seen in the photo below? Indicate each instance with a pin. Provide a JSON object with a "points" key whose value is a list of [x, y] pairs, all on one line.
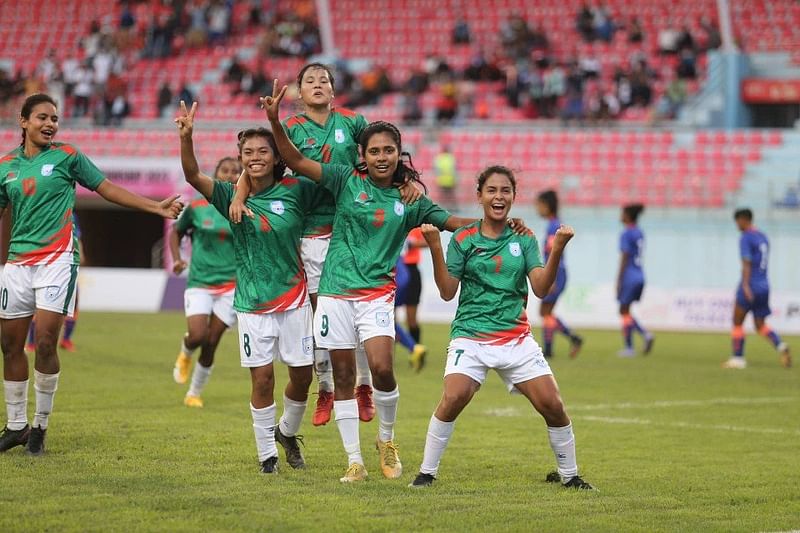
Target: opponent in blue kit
{"points": [[630, 279], [753, 292], [547, 206]]}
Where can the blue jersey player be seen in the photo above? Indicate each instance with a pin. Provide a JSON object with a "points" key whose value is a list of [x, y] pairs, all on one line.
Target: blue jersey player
{"points": [[753, 291], [630, 279], [402, 279], [547, 206]]}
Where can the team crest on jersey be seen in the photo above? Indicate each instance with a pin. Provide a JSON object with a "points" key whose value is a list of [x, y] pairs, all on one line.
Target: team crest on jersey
{"points": [[47, 170], [11, 177], [208, 223], [515, 249], [338, 136], [310, 141], [399, 208], [277, 207], [362, 198]]}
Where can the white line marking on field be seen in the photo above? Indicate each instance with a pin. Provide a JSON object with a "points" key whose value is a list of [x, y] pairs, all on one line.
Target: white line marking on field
{"points": [[680, 403], [687, 425]]}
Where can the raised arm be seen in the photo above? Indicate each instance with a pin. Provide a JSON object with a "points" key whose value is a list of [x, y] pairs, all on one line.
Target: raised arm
{"points": [[299, 163], [517, 225], [191, 170], [447, 284], [168, 208], [542, 278], [454, 222], [242, 193]]}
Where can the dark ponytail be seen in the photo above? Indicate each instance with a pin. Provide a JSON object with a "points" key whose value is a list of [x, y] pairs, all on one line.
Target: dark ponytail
{"points": [[405, 170], [31, 102]]}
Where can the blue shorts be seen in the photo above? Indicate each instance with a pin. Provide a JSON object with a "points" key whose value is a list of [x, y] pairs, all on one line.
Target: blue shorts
{"points": [[402, 277], [558, 287], [760, 304], [630, 291]]}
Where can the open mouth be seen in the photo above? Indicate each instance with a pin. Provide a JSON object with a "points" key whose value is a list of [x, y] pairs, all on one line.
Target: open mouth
{"points": [[48, 133], [382, 168], [256, 167], [498, 208], [318, 93]]}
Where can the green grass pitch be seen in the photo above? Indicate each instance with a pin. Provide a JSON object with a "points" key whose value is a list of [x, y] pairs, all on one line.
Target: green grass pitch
{"points": [[673, 442]]}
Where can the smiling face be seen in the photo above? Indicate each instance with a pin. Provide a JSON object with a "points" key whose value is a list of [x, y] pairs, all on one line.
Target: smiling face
{"points": [[316, 89], [256, 157], [381, 157], [496, 196], [229, 171], [41, 126]]}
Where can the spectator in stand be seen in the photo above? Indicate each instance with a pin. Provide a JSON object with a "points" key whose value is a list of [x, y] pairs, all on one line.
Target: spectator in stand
{"points": [[673, 98], [461, 33], [481, 69], [84, 89], [641, 92], [668, 39], [235, 71], [91, 42], [447, 103], [417, 82], [444, 165], [687, 69], [185, 94], [165, 100], [554, 86], [602, 24], [635, 31], [538, 39], [70, 68], [713, 39], [573, 97], [584, 23], [197, 33], [219, 22], [412, 111], [685, 40]]}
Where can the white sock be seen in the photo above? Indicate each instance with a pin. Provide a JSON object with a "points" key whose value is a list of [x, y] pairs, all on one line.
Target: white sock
{"points": [[45, 386], [386, 405], [199, 379], [363, 373], [562, 441], [186, 351], [264, 429], [292, 416], [324, 369], [16, 393], [435, 444], [346, 415]]}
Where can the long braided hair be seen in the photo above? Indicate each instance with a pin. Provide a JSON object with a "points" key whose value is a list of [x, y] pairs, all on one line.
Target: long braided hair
{"points": [[405, 170]]}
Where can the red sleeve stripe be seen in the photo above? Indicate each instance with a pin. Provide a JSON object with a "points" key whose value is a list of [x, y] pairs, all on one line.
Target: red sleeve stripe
{"points": [[463, 234]]}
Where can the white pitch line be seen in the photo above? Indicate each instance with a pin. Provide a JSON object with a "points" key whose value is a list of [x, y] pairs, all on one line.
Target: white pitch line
{"points": [[686, 425], [512, 411], [680, 403]]}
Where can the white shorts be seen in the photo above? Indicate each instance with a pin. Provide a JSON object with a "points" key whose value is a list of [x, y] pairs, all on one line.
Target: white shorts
{"points": [[26, 288], [514, 363], [313, 253], [341, 324], [199, 301], [286, 335]]}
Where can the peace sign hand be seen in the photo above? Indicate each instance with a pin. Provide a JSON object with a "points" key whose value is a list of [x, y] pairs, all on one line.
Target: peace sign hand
{"points": [[272, 103], [185, 120]]}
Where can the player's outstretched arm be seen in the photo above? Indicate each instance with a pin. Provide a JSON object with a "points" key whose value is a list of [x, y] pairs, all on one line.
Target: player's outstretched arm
{"points": [[168, 208], [191, 170], [542, 278], [237, 209], [174, 238], [288, 151], [747, 269], [2, 212], [623, 261], [517, 225], [447, 284]]}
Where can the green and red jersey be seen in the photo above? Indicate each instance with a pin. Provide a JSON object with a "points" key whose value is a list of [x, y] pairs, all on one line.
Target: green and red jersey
{"points": [[41, 191], [212, 265], [269, 274], [494, 283], [369, 233], [336, 141]]}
